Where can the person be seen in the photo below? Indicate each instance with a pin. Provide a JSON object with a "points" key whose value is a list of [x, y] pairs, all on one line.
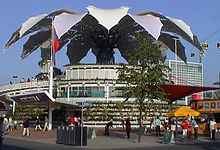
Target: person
{"points": [[37, 124], [123, 122], [184, 126], [152, 123], [157, 123], [46, 122], [10, 124], [109, 124], [15, 124], [212, 126], [2, 131], [79, 121], [5, 122], [166, 124], [72, 121], [173, 127], [128, 127], [76, 121], [26, 127], [195, 127]]}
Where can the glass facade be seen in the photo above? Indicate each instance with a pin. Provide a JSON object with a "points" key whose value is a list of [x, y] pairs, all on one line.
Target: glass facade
{"points": [[186, 74]]}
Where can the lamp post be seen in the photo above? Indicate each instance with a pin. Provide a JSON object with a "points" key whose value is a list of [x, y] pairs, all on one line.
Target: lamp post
{"points": [[175, 43]]}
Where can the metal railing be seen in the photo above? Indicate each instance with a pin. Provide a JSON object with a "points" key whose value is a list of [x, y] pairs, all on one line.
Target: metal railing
{"points": [[23, 86]]}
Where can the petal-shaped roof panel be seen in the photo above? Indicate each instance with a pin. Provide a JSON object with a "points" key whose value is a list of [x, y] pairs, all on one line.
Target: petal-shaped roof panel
{"points": [[150, 23], [182, 25], [64, 22], [108, 17], [34, 42], [175, 26], [30, 22]]}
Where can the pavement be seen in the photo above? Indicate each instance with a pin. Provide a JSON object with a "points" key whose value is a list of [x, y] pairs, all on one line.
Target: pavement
{"points": [[117, 140]]}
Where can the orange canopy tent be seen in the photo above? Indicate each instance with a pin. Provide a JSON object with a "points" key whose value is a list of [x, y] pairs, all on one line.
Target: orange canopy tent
{"points": [[182, 112]]}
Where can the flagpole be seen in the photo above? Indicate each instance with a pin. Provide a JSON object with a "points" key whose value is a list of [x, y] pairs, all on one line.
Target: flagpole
{"points": [[51, 77]]}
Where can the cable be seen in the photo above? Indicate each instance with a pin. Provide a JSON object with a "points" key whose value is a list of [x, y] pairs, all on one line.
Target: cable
{"points": [[211, 35]]}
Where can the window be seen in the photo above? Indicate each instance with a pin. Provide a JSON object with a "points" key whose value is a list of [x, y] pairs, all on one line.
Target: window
{"points": [[218, 104], [206, 105], [212, 105], [200, 105]]}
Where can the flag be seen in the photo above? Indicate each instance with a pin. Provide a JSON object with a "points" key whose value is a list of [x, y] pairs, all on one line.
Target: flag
{"points": [[55, 43]]}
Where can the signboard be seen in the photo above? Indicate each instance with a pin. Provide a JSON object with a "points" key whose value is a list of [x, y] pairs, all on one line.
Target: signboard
{"points": [[84, 104], [167, 139]]}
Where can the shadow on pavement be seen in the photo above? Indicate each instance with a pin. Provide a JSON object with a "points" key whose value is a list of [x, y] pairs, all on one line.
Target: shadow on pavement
{"points": [[9, 147]]}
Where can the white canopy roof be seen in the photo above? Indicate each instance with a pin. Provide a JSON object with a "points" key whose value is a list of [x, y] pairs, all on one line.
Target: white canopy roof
{"points": [[108, 17], [30, 23], [65, 21], [150, 23]]}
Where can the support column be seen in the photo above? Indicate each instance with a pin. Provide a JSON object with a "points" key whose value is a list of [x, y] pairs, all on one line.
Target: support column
{"points": [[107, 92], [68, 92], [13, 108], [50, 115]]}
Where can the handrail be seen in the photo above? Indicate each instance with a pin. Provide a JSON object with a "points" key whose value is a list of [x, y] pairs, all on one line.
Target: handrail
{"points": [[21, 86]]}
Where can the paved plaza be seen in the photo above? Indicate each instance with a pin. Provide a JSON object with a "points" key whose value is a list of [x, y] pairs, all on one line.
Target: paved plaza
{"points": [[40, 140]]}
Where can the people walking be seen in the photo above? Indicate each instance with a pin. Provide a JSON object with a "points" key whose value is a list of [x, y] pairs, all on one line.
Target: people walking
{"points": [[128, 127], [2, 131], [151, 122], [184, 126], [26, 127], [46, 122], [15, 122], [212, 126], [37, 124], [10, 124], [107, 126], [157, 123], [5, 122], [123, 122], [195, 127]]}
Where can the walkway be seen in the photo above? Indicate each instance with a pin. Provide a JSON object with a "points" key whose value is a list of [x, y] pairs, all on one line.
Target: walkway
{"points": [[116, 140]]}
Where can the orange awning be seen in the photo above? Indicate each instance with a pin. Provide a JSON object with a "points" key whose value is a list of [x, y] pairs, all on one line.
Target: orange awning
{"points": [[182, 112]]}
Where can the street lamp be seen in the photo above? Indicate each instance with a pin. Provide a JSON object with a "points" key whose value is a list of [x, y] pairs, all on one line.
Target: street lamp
{"points": [[175, 43]]}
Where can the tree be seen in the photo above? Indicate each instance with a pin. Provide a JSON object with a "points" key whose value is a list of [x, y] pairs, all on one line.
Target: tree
{"points": [[144, 75]]}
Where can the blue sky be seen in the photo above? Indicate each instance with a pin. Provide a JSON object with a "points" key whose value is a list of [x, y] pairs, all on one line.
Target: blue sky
{"points": [[202, 16]]}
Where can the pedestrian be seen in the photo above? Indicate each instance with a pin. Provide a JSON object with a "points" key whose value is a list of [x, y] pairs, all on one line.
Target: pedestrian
{"points": [[212, 126], [184, 126], [76, 121], [46, 122], [166, 124], [10, 124], [72, 121], [79, 121], [37, 124], [157, 123], [123, 122], [128, 127], [5, 122], [26, 127], [107, 126], [195, 127], [2, 131], [15, 122], [152, 123]]}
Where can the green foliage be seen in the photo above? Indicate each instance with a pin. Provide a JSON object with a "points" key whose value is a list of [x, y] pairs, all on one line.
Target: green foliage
{"points": [[145, 73]]}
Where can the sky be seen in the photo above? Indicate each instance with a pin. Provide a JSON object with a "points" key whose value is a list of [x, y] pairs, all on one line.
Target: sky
{"points": [[202, 16]]}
